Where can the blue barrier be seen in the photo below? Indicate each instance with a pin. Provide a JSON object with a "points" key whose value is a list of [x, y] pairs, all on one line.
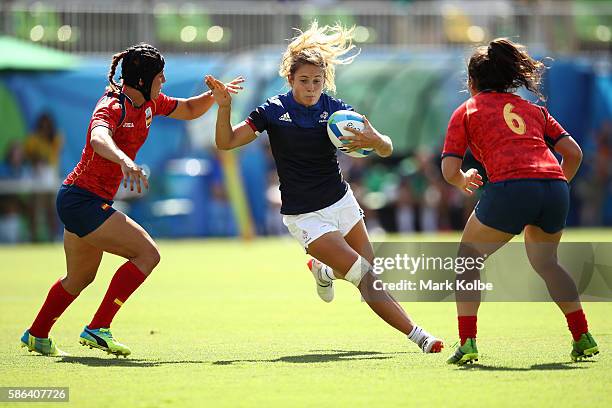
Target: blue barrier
{"points": [[579, 96]]}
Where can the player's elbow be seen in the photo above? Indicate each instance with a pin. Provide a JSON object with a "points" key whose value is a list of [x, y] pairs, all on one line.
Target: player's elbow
{"points": [[223, 145], [96, 142], [569, 150], [574, 154], [451, 167], [448, 177], [189, 113], [572, 157]]}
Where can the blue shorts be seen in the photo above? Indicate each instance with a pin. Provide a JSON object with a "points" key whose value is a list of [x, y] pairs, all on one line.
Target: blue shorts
{"points": [[510, 205], [82, 211]]}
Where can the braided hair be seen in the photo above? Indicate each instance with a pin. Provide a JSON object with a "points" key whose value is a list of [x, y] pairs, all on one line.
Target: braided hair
{"points": [[139, 63]]}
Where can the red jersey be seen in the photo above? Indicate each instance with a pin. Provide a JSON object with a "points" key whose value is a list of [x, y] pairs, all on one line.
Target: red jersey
{"points": [[508, 135], [129, 126]]}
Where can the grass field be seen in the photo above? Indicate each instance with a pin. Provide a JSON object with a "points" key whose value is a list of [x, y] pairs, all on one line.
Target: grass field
{"points": [[226, 323]]}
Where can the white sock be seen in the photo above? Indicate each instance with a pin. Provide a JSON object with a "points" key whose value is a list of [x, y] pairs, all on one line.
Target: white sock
{"points": [[418, 335]]}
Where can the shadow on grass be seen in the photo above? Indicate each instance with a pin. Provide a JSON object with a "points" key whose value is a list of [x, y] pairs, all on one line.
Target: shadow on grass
{"points": [[120, 362], [535, 367], [325, 356]]}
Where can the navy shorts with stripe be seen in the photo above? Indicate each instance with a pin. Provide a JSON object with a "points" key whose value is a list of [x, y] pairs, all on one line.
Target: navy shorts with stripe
{"points": [[511, 205], [82, 211]]}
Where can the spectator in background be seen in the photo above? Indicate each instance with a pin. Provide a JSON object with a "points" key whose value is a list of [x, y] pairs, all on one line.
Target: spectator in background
{"points": [[273, 219], [593, 192], [419, 193], [42, 149], [429, 178], [14, 165], [44, 144], [221, 221], [356, 172], [12, 168], [405, 206], [274, 222]]}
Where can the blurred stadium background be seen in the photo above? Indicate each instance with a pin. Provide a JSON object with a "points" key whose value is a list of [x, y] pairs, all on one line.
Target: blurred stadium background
{"points": [[54, 58]]}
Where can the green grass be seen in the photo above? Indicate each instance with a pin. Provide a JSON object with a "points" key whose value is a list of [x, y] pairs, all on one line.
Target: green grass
{"points": [[228, 323]]}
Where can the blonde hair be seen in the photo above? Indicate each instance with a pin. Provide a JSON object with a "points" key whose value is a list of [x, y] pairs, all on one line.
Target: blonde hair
{"points": [[319, 46]]}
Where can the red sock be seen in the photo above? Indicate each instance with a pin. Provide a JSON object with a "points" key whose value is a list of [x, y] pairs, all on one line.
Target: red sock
{"points": [[577, 324], [126, 280], [467, 327], [57, 301]]}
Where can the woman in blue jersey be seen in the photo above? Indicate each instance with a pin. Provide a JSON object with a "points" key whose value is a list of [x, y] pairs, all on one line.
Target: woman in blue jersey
{"points": [[318, 206]]}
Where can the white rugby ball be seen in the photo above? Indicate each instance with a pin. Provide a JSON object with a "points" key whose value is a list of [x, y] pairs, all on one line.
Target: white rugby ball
{"points": [[335, 129]]}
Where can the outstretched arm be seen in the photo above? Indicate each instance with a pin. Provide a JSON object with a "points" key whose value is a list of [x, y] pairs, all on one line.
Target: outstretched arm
{"points": [[194, 107], [226, 137]]}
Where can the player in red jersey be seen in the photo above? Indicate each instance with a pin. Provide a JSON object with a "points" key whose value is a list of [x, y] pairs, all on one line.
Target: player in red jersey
{"points": [[119, 126], [527, 189]]}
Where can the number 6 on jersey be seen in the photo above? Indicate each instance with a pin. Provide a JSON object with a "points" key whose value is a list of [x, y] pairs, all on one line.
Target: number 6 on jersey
{"points": [[514, 121]]}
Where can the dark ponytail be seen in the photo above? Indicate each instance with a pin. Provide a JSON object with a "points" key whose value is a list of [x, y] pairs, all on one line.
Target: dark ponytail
{"points": [[113, 67], [505, 66]]}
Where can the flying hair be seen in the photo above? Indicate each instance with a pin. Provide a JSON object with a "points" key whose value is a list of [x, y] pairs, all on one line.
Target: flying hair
{"points": [[323, 47], [504, 66]]}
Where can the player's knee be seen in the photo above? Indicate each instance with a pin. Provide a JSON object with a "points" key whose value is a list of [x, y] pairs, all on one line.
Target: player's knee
{"points": [[87, 280], [342, 264], [543, 264], [76, 284], [360, 268], [467, 251], [154, 256], [149, 258]]}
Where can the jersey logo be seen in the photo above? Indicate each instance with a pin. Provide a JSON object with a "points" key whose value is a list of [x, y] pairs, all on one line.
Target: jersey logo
{"points": [[285, 117], [148, 116], [105, 207], [128, 124], [323, 117]]}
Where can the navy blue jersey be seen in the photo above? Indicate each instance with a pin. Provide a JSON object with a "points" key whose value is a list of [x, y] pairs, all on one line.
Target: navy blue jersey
{"points": [[306, 161]]}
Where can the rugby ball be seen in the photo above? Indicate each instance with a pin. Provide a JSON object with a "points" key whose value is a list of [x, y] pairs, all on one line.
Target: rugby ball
{"points": [[335, 129]]}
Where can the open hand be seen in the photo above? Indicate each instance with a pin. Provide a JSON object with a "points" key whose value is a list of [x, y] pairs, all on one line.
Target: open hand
{"points": [[222, 92], [232, 86], [472, 181], [133, 174]]}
